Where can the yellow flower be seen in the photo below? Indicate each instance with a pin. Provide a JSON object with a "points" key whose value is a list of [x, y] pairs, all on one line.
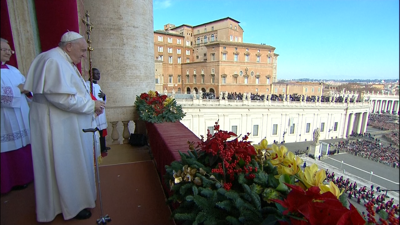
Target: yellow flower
{"points": [[290, 164], [332, 188], [312, 176], [152, 94], [278, 154], [167, 101]]}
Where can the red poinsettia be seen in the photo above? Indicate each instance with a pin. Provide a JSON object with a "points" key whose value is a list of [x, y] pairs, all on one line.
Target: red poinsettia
{"points": [[318, 209]]}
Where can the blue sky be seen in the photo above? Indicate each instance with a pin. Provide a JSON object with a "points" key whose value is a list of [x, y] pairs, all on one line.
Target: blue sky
{"points": [[323, 39]]}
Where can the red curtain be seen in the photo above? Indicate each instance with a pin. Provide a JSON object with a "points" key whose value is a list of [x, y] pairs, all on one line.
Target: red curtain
{"points": [[6, 31]]}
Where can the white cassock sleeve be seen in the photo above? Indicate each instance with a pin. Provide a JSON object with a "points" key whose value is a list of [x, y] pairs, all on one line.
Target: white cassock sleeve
{"points": [[11, 97], [71, 103]]}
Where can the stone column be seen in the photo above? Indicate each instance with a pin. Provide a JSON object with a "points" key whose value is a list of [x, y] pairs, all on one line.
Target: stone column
{"points": [[359, 122], [351, 123], [397, 107], [365, 122], [379, 106], [391, 107], [123, 50]]}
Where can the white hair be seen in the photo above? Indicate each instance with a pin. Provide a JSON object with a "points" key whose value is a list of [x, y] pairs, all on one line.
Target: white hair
{"points": [[62, 44], [4, 40]]}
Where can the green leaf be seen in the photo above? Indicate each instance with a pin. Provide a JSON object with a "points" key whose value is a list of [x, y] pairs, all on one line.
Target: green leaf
{"points": [[383, 214], [201, 217], [344, 201], [206, 192], [226, 204], [232, 220], [285, 179], [261, 178], [195, 190], [241, 179], [189, 198], [201, 202], [282, 187]]}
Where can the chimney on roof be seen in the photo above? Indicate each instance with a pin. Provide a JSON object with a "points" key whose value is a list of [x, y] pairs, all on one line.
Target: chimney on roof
{"points": [[168, 27]]}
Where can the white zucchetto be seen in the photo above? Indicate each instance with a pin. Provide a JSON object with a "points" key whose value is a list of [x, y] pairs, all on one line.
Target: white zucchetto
{"points": [[70, 36]]}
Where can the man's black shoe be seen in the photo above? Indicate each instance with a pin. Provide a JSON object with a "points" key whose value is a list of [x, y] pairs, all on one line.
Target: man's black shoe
{"points": [[83, 214], [20, 187]]}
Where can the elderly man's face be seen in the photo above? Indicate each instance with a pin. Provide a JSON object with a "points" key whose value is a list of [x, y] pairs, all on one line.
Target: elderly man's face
{"points": [[77, 50], [5, 52]]}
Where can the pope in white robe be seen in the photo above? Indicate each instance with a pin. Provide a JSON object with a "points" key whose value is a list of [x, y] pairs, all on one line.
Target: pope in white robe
{"points": [[62, 153]]}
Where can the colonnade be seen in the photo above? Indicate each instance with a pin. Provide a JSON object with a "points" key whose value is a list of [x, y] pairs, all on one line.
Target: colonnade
{"points": [[385, 106], [356, 123]]}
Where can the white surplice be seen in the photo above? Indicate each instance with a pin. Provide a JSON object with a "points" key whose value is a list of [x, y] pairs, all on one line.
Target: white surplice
{"points": [[101, 119], [62, 153], [15, 132]]}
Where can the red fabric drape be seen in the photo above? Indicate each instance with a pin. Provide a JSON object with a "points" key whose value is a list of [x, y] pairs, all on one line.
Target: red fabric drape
{"points": [[54, 18], [6, 30]]}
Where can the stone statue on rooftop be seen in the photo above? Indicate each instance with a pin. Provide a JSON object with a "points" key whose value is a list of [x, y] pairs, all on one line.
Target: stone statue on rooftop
{"points": [[316, 136]]}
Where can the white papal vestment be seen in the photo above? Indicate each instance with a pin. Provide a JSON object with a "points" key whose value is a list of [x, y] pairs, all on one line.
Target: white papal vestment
{"points": [[62, 154]]}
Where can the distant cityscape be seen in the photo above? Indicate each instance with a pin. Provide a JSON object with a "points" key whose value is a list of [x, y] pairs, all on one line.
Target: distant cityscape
{"points": [[344, 80]]}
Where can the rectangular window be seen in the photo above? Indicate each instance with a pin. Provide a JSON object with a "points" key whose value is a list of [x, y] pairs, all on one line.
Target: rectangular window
{"points": [[187, 43], [160, 58], [187, 60], [212, 79], [257, 80], [179, 41], [178, 51], [283, 90], [275, 129], [187, 52], [160, 38], [246, 80], [169, 40], [169, 50], [335, 126], [231, 38], [202, 79], [170, 59], [236, 39], [211, 130], [224, 56], [212, 56], [235, 58], [292, 128], [255, 130], [187, 79], [170, 79], [258, 59], [234, 129], [269, 59], [308, 126], [322, 127], [224, 80], [157, 81], [246, 58], [194, 79], [160, 49], [179, 60], [179, 79], [276, 90]]}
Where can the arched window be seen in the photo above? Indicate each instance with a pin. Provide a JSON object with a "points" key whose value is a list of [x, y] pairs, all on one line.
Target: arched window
{"points": [[212, 90], [188, 90]]}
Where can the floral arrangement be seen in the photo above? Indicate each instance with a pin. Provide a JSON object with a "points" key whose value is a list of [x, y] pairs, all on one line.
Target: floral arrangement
{"points": [[156, 108], [224, 180]]}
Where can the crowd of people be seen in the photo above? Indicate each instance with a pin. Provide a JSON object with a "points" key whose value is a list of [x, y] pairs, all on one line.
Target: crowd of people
{"points": [[372, 150], [383, 122], [364, 194]]}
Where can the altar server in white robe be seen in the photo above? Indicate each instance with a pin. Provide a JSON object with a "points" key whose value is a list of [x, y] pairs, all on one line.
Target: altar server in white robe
{"points": [[62, 153], [16, 155], [101, 120]]}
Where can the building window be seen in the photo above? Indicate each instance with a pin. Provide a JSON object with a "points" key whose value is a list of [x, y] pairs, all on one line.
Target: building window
{"points": [[269, 59], [235, 80], [308, 126], [210, 129], [169, 40], [202, 79], [306, 90], [187, 43], [283, 90], [231, 38], [187, 60], [255, 130], [335, 126], [224, 47], [178, 51], [276, 90], [194, 79], [212, 79], [212, 37], [246, 58], [224, 80], [236, 39], [235, 58], [322, 127], [212, 28], [170, 59], [198, 41], [160, 38], [212, 56], [292, 128], [179, 41], [179, 60], [205, 39], [157, 81], [187, 79], [312, 90], [246, 80], [257, 80], [258, 59], [179, 79], [224, 56], [170, 79], [160, 49], [275, 129], [187, 52], [169, 50], [268, 80], [234, 129], [160, 58]]}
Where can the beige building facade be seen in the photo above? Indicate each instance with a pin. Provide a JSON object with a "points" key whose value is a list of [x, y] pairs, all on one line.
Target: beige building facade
{"points": [[212, 57]]}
